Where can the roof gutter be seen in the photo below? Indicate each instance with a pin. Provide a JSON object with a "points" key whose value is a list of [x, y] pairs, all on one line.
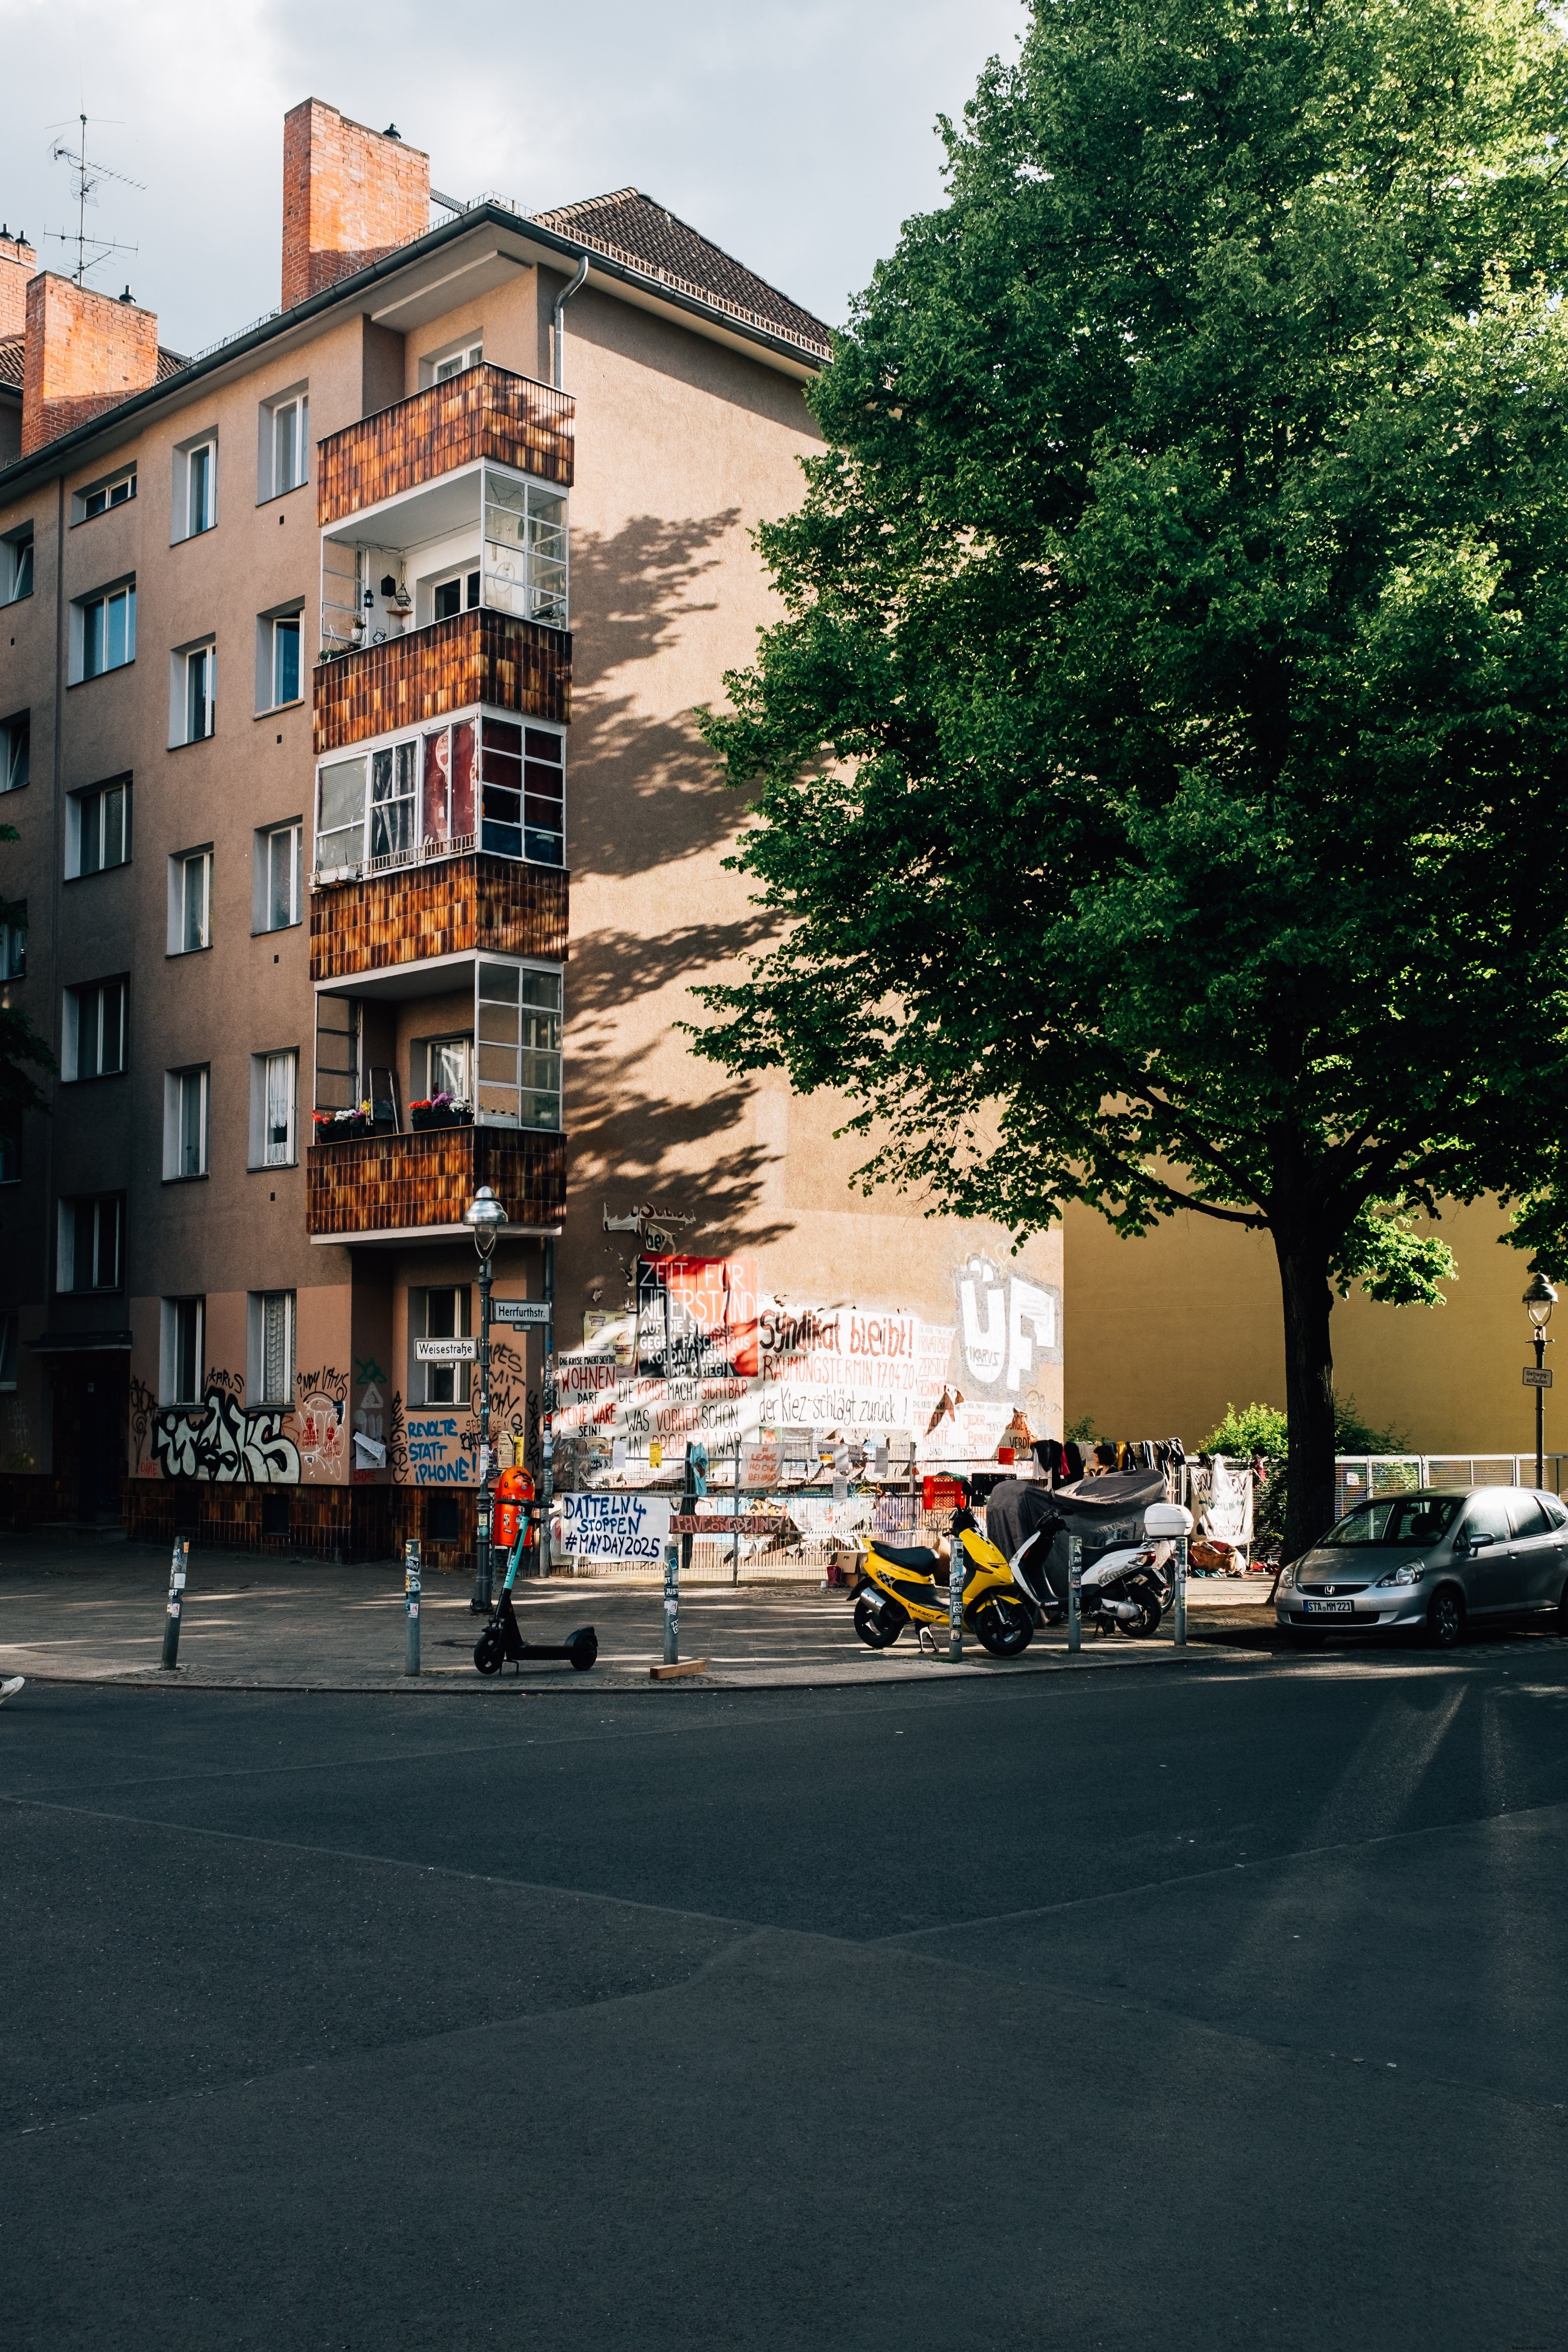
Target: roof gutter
{"points": [[558, 325]]}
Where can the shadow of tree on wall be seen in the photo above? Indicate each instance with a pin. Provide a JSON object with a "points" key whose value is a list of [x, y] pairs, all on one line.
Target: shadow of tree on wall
{"points": [[644, 787]]}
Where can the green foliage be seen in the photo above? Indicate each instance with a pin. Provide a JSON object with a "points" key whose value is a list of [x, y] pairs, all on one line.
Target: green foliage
{"points": [[19, 1041], [1082, 1431], [1159, 762], [1256, 1429]]}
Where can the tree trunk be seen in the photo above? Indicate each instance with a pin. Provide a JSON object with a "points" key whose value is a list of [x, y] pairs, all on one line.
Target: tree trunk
{"points": [[1309, 1390]]}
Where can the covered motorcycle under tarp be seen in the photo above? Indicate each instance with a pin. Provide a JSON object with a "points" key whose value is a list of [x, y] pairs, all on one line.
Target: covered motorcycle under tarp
{"points": [[1105, 1513]]}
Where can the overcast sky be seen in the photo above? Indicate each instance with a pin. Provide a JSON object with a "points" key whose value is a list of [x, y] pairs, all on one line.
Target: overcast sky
{"points": [[797, 135]]}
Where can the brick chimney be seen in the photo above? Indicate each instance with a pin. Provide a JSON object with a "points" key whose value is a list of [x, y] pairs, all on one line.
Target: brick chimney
{"points": [[84, 352], [17, 263], [349, 195]]}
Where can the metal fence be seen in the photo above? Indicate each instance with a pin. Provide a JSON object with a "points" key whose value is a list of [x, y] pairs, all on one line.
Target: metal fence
{"points": [[1357, 1476]]}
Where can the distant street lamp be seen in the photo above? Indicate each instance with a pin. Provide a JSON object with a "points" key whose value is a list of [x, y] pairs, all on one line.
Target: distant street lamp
{"points": [[1540, 1299], [484, 1217]]}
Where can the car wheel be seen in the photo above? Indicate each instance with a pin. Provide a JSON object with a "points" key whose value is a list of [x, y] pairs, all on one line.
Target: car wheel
{"points": [[1444, 1618]]}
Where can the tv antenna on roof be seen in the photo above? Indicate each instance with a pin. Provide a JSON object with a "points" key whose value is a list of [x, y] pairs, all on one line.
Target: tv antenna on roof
{"points": [[87, 175]]}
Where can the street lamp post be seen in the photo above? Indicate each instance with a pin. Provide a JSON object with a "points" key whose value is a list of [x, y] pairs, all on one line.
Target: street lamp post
{"points": [[1538, 1301], [484, 1217]]}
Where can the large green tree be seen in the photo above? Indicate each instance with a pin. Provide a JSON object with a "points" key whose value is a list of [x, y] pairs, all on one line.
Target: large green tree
{"points": [[1158, 770]]}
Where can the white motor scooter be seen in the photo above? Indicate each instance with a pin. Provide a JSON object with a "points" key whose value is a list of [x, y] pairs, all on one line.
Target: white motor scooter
{"points": [[1127, 1590]]}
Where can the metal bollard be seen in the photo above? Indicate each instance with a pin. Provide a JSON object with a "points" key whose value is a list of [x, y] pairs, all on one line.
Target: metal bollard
{"points": [[1181, 1592], [410, 1604], [1074, 1592], [671, 1602], [957, 1564], [176, 1589]]}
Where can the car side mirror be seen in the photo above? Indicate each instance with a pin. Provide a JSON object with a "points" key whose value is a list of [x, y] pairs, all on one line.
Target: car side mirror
{"points": [[1476, 1541]]}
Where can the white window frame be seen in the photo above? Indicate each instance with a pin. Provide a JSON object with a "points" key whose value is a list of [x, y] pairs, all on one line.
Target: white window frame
{"points": [[340, 840], [86, 824], [294, 397], [91, 994], [424, 1378], [468, 350], [180, 1088], [488, 1051], [87, 640], [65, 1242], [257, 1392], [10, 1348], [187, 722], [185, 865], [17, 564], [169, 1322], [268, 1072], [102, 497], [264, 849], [187, 523], [16, 751], [269, 628]]}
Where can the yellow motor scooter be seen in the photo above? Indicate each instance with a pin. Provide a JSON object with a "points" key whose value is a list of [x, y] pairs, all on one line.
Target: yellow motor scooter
{"points": [[910, 1586]]}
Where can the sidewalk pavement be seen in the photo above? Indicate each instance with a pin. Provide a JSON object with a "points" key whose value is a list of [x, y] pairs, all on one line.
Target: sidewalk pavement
{"points": [[94, 1612]]}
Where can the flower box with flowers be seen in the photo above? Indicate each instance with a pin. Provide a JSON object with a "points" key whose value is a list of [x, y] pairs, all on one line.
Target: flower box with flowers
{"points": [[441, 1110]]}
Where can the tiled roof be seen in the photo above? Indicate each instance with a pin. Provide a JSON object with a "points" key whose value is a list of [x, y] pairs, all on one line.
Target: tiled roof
{"points": [[169, 363], [631, 227]]}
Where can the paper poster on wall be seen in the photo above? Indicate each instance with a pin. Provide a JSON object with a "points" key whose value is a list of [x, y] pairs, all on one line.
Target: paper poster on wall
{"points": [[696, 1316], [437, 1453]]}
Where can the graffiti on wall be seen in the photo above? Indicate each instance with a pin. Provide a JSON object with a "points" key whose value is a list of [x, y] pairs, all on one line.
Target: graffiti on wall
{"points": [[224, 1441], [1009, 1326], [322, 1401]]}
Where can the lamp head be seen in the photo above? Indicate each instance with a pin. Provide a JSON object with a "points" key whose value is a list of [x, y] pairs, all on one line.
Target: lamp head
{"points": [[1540, 1299], [485, 1217]]}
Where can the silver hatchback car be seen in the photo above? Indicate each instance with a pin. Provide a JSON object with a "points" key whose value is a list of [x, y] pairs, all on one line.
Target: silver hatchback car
{"points": [[1428, 1562]]}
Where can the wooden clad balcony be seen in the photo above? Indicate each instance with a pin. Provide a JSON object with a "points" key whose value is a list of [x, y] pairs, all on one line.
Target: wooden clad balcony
{"points": [[387, 1187], [486, 411], [443, 907], [477, 657]]}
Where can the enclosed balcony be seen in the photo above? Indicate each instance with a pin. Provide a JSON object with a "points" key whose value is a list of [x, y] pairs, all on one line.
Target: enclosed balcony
{"points": [[473, 657], [415, 1187], [484, 412], [423, 912]]}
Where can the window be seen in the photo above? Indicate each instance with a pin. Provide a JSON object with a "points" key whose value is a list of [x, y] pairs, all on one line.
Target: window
{"points": [[14, 942], [8, 1336], [525, 548], [441, 1314], [518, 1046], [193, 690], [17, 564], [1529, 1516], [16, 751], [196, 500], [185, 1124], [275, 877], [523, 791], [97, 828], [278, 674], [190, 901], [114, 490], [442, 365], [105, 631], [336, 1052], [416, 799], [274, 1091], [180, 1351], [458, 593], [269, 1350], [88, 1257], [95, 1031], [284, 443], [443, 1066]]}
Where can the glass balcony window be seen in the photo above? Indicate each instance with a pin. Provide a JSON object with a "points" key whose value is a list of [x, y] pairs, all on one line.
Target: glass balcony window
{"points": [[483, 537], [405, 802]]}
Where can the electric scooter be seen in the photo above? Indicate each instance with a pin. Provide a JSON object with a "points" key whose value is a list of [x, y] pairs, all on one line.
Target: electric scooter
{"points": [[502, 1637]]}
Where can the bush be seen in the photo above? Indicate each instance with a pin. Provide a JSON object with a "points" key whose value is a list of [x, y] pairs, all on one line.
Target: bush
{"points": [[1262, 1428]]}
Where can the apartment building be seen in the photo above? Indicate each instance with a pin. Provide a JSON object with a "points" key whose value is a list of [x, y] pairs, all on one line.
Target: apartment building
{"points": [[369, 853]]}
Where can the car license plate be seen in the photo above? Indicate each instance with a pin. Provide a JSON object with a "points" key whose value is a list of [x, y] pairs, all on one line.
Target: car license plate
{"points": [[1329, 1608]]}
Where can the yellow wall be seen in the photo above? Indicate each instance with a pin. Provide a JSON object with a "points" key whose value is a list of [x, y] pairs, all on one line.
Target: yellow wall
{"points": [[1161, 1334]]}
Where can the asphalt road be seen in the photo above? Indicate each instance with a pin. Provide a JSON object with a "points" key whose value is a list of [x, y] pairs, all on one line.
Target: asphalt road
{"points": [[1213, 2007]]}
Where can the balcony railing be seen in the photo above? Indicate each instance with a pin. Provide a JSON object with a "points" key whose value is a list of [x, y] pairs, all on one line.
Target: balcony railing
{"points": [[486, 411], [470, 902], [477, 657], [386, 1186]]}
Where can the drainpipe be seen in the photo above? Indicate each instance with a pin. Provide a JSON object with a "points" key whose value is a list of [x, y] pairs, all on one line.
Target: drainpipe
{"points": [[558, 323]]}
